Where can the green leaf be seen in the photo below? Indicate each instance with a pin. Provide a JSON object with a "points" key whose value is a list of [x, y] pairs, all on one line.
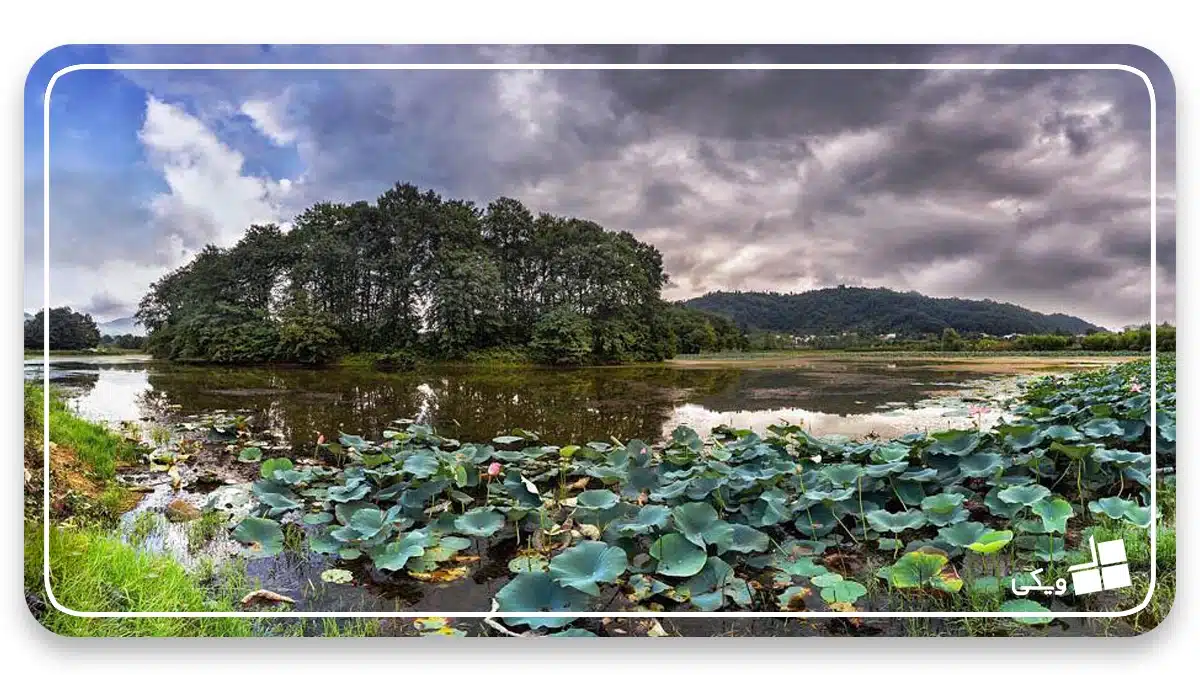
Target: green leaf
{"points": [[1054, 514], [480, 522], [250, 455], [955, 442], [318, 518], [1061, 432], [737, 537], [883, 521], [981, 465], [943, 503], [677, 556], [268, 468], [596, 500], [537, 592], [836, 589], [336, 576], [421, 465], [1121, 509], [962, 534], [694, 520], [1102, 427], [265, 537], [342, 493], [588, 564], [647, 519], [924, 568], [1026, 495], [396, 555], [1025, 605], [991, 542], [368, 522]]}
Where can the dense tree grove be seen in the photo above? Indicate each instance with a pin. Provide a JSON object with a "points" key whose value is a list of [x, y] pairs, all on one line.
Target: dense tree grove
{"points": [[418, 274], [125, 341], [68, 330], [874, 311]]}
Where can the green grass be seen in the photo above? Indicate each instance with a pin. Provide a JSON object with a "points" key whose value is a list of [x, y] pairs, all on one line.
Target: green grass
{"points": [[94, 571], [146, 524], [204, 529], [96, 446]]}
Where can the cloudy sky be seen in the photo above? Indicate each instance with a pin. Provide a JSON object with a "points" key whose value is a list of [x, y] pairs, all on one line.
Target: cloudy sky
{"points": [[1025, 186]]}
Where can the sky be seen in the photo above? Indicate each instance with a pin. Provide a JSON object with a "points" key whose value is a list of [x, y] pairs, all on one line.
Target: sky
{"points": [[1022, 186]]}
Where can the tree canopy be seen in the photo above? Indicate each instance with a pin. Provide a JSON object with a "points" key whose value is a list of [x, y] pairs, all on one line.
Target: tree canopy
{"points": [[416, 272], [68, 330], [830, 311]]}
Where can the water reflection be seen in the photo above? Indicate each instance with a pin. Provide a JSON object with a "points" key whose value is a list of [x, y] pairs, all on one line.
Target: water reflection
{"points": [[565, 406]]}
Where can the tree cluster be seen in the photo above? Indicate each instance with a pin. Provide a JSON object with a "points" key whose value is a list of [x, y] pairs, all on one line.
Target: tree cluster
{"points": [[417, 274], [68, 330]]}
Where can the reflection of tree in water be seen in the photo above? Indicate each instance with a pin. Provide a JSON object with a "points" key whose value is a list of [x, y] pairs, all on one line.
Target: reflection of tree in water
{"points": [[469, 404]]}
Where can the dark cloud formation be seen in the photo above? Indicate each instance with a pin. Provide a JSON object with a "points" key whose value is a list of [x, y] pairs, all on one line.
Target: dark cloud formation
{"points": [[1027, 186]]}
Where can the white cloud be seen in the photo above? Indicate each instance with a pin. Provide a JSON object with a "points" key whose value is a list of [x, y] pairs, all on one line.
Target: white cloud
{"points": [[268, 117], [210, 197]]}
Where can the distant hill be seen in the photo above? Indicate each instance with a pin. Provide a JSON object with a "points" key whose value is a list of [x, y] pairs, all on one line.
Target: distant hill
{"points": [[873, 311], [123, 326]]}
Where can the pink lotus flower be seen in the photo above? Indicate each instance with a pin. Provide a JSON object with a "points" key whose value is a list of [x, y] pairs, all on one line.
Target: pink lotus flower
{"points": [[978, 410], [494, 469], [1135, 387], [320, 439]]}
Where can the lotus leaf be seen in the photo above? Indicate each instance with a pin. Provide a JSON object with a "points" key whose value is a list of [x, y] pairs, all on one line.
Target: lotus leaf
{"points": [[648, 518], [923, 568], [677, 556], [268, 468], [696, 521], [1054, 514], [708, 588], [843, 474], [981, 465], [421, 465], [815, 521], [318, 518], [1026, 605], [943, 503], [481, 522], [1076, 452], [1102, 427], [537, 592], [954, 442], [643, 586], [991, 542], [588, 564], [1118, 508], [1021, 437], [836, 589], [336, 576], [737, 537], [883, 521], [597, 500], [881, 470], [396, 555], [1061, 432], [265, 537], [1046, 548], [250, 455], [793, 598], [962, 534], [347, 493], [1025, 495]]}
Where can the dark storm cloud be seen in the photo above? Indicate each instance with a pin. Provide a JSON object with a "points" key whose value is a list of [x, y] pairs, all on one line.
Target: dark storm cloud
{"points": [[1027, 186]]}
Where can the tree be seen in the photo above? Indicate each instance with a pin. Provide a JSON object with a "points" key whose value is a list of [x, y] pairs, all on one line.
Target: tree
{"points": [[951, 340], [562, 337], [68, 330]]}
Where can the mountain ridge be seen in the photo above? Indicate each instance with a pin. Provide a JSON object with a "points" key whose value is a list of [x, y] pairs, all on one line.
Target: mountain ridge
{"points": [[829, 311]]}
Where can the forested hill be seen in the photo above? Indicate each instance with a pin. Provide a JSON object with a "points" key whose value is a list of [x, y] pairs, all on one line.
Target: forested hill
{"points": [[830, 311]]}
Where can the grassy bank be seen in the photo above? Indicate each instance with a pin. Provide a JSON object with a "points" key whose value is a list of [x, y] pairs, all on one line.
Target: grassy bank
{"points": [[96, 447], [102, 351]]}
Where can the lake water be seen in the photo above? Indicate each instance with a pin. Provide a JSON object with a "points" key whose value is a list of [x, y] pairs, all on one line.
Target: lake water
{"points": [[849, 397]]}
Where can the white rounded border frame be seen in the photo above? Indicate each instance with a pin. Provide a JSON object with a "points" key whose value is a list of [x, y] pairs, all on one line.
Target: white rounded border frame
{"points": [[577, 66]]}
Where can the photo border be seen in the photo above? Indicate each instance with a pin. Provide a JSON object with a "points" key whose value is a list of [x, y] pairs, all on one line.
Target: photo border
{"points": [[1153, 426]]}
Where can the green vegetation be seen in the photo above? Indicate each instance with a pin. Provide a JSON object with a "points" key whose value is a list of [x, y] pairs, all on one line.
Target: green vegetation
{"points": [[97, 447], [875, 311], [127, 342], [69, 330], [94, 571], [702, 522], [415, 273]]}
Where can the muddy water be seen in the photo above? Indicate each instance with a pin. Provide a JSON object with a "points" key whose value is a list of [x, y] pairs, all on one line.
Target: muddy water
{"points": [[564, 406], [292, 406]]}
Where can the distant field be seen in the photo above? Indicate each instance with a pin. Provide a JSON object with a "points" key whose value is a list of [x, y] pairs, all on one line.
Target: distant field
{"points": [[996, 362]]}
